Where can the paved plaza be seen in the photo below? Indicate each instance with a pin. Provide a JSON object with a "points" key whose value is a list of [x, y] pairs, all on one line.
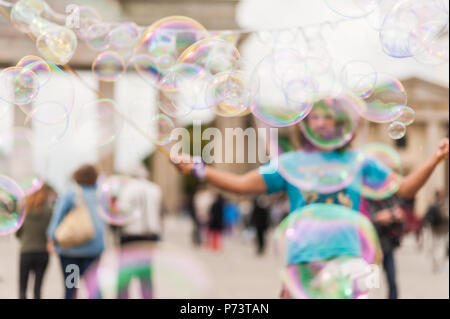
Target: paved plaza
{"points": [[237, 272]]}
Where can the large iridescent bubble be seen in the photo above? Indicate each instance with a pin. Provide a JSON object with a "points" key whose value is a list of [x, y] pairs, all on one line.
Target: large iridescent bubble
{"points": [[159, 273], [387, 101], [281, 96], [313, 172], [166, 39], [374, 188], [411, 27], [315, 229], [213, 55], [332, 121]]}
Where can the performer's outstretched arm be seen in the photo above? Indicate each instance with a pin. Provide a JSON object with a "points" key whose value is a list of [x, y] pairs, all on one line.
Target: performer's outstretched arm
{"points": [[251, 182], [412, 183]]}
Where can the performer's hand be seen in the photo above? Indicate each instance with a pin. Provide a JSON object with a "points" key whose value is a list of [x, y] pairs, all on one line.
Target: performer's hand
{"points": [[184, 163], [441, 151]]}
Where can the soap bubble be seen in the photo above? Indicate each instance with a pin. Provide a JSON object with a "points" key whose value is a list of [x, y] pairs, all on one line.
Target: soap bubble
{"points": [[396, 130], [97, 36], [18, 85], [359, 77], [57, 44], [212, 55], [12, 206], [39, 67], [124, 36], [108, 66], [340, 118], [387, 100], [229, 93], [279, 96], [24, 11], [306, 232], [163, 126], [166, 39], [159, 274]]}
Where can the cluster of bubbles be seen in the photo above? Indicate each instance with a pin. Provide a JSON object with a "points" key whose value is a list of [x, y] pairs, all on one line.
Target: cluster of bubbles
{"points": [[145, 272], [385, 98], [55, 42], [407, 28], [29, 85], [321, 226], [195, 69]]}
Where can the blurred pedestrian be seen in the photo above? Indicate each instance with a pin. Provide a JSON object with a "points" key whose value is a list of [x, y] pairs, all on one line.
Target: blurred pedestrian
{"points": [[231, 216], [203, 200], [144, 198], [436, 220], [216, 223], [76, 220], [389, 220], [33, 251], [260, 220]]}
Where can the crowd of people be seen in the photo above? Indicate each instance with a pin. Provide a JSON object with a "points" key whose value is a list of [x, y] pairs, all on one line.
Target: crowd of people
{"points": [[71, 226], [57, 225]]}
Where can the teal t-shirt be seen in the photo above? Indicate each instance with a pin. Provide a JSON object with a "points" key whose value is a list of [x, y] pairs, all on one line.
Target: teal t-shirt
{"points": [[327, 178]]}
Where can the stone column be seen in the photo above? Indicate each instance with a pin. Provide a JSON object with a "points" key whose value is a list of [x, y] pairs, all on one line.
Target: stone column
{"points": [[167, 177], [106, 152]]}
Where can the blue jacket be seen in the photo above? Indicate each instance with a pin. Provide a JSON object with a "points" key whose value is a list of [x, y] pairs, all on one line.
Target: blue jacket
{"points": [[64, 204]]}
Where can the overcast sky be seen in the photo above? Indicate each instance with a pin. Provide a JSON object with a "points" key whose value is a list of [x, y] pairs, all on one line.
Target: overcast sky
{"points": [[353, 40]]}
